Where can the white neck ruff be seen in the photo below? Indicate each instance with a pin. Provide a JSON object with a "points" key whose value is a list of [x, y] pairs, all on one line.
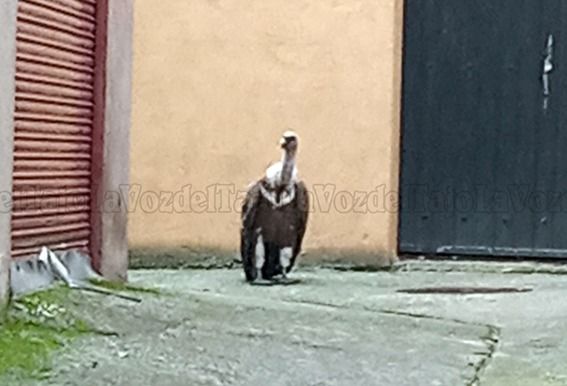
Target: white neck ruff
{"points": [[286, 197]]}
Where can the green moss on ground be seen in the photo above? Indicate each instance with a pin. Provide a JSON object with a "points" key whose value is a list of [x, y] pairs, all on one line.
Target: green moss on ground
{"points": [[115, 286], [25, 347], [35, 327]]}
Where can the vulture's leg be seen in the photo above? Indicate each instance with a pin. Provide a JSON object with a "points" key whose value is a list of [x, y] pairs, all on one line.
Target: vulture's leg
{"points": [[271, 257], [260, 253], [285, 258], [247, 247]]}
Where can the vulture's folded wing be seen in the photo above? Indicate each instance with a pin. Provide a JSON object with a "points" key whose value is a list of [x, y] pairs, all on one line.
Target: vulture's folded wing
{"points": [[248, 216], [250, 205], [302, 199]]}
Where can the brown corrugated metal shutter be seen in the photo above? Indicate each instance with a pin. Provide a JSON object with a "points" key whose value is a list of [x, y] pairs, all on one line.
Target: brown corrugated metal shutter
{"points": [[55, 66]]}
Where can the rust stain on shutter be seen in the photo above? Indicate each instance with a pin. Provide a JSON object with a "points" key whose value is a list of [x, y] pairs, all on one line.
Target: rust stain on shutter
{"points": [[55, 67]]}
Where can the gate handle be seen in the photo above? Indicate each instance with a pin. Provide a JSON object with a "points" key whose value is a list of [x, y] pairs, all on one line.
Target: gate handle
{"points": [[547, 69]]}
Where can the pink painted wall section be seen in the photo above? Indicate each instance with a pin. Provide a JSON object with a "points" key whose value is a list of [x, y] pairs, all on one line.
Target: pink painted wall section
{"points": [[8, 10], [216, 83], [117, 121]]}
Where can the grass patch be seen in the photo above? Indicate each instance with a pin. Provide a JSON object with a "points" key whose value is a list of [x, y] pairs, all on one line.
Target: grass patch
{"points": [[26, 346], [35, 327], [116, 286], [55, 295]]}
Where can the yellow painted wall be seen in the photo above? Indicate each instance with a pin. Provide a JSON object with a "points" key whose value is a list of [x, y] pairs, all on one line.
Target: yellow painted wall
{"points": [[215, 84]]}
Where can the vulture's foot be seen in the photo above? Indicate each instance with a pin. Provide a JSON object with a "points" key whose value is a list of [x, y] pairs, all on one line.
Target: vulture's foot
{"points": [[251, 274], [263, 282], [285, 280]]}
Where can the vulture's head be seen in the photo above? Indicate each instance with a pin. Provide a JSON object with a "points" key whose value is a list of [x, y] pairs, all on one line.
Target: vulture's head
{"points": [[289, 141]]}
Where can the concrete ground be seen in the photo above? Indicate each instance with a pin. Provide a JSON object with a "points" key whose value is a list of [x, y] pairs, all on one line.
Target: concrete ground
{"points": [[208, 327]]}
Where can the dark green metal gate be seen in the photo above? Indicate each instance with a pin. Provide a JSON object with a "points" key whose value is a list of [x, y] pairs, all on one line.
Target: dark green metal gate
{"points": [[484, 128]]}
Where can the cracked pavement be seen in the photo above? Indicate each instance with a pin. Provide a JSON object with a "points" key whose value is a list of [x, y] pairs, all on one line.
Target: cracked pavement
{"points": [[334, 328]]}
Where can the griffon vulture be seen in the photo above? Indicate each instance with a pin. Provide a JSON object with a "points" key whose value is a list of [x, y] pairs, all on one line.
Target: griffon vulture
{"points": [[274, 217]]}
